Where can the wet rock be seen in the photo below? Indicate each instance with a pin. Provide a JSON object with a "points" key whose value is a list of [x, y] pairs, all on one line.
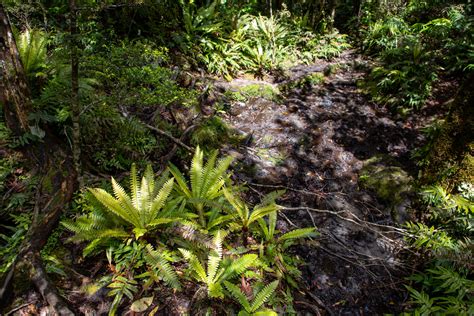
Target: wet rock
{"points": [[391, 184]]}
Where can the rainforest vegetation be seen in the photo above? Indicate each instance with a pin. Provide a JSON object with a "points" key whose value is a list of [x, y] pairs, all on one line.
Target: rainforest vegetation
{"points": [[236, 157]]}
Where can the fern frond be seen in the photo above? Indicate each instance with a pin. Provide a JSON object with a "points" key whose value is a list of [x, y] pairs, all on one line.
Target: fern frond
{"points": [[215, 181], [157, 261], [113, 205], [263, 295], [194, 264], [134, 186], [196, 172], [261, 212], [238, 295], [272, 219], [161, 198], [264, 229], [237, 204], [239, 265], [32, 47], [149, 175], [219, 220], [161, 221], [208, 168], [124, 200], [217, 241], [270, 198], [180, 180], [212, 265], [299, 233], [189, 231]]}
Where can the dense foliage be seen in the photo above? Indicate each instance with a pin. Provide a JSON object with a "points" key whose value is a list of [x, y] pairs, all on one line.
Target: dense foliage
{"points": [[150, 78]]}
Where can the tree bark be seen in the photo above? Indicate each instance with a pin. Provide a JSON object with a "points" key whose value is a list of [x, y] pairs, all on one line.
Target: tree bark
{"points": [[14, 96], [75, 105], [52, 162]]}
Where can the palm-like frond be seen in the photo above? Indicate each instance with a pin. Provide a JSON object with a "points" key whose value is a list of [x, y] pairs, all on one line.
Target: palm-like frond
{"points": [[217, 272], [263, 295], [238, 295], [206, 182], [299, 233], [260, 212], [239, 265], [113, 205], [196, 173], [195, 265], [166, 271], [145, 208], [244, 217], [32, 49]]}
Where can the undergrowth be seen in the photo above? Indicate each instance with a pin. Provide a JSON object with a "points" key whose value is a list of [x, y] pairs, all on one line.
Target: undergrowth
{"points": [[190, 233], [413, 54]]}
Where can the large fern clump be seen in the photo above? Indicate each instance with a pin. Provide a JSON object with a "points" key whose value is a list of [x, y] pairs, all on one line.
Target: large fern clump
{"points": [[190, 231], [121, 214]]}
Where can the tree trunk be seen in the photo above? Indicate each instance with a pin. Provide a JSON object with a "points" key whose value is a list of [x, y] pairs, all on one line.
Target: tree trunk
{"points": [[75, 105], [14, 92], [52, 162]]}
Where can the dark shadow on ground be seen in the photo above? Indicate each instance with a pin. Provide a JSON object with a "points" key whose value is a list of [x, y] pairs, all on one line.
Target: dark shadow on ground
{"points": [[314, 144]]}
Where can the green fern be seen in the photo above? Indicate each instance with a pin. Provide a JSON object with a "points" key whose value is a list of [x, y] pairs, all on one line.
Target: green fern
{"points": [[273, 249], [160, 268], [32, 47], [243, 218], [113, 216], [206, 181], [217, 269], [260, 298], [121, 286]]}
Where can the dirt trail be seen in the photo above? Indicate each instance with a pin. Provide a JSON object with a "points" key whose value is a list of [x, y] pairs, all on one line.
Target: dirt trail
{"points": [[314, 143]]}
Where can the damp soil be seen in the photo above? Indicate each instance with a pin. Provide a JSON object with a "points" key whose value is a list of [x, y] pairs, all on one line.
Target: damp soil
{"points": [[314, 143]]}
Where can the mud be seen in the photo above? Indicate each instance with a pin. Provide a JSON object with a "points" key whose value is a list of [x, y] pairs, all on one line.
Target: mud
{"points": [[314, 143]]}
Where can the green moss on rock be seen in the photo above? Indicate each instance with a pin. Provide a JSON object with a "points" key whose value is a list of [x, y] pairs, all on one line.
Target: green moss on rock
{"points": [[391, 183]]}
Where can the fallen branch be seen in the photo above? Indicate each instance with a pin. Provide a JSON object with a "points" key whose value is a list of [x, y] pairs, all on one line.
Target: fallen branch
{"points": [[356, 220], [172, 138]]}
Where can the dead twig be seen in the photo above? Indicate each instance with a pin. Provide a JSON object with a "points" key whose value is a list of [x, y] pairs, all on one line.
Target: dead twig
{"points": [[319, 302], [19, 307], [311, 306], [357, 220], [172, 138], [285, 188]]}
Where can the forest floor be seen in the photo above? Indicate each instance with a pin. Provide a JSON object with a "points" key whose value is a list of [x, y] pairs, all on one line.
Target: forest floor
{"points": [[345, 163], [346, 166]]}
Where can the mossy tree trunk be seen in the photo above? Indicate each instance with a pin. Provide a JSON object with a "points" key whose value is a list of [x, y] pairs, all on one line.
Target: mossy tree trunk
{"points": [[49, 158]]}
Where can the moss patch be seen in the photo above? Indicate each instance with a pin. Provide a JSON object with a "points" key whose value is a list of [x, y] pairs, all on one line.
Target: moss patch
{"points": [[250, 91], [391, 183]]}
